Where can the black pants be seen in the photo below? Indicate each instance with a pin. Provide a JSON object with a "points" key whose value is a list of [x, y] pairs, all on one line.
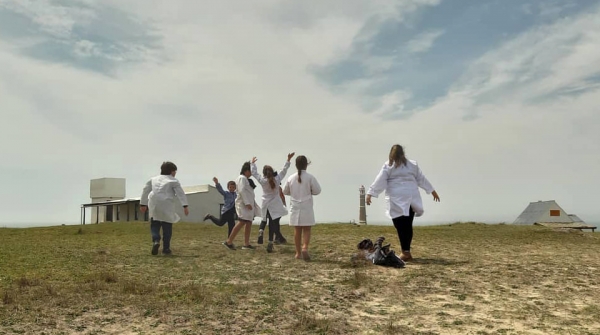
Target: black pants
{"points": [[227, 217], [274, 227], [167, 229], [404, 227]]}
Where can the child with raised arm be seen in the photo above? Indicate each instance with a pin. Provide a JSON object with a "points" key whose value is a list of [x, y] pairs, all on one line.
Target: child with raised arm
{"points": [[301, 187], [228, 210], [158, 196], [272, 206], [245, 207]]}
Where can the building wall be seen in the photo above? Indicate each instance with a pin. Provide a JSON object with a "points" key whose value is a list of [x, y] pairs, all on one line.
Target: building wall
{"points": [[108, 188], [99, 213]]}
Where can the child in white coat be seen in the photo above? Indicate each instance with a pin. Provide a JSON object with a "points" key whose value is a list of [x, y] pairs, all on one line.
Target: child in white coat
{"points": [[301, 187], [272, 206], [245, 207]]}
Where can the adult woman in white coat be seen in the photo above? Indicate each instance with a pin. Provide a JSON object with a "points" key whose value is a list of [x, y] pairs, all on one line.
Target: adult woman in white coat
{"points": [[401, 179], [245, 207], [302, 186], [272, 205]]}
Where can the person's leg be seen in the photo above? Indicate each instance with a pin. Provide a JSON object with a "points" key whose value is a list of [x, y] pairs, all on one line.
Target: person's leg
{"points": [[408, 231], [234, 232], [167, 228], [230, 217], [279, 239], [247, 231], [298, 241], [155, 231], [305, 241], [271, 227], [218, 222], [403, 225], [261, 230]]}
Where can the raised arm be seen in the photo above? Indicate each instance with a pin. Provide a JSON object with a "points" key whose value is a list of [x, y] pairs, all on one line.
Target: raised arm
{"points": [[218, 186], [255, 174], [285, 167]]}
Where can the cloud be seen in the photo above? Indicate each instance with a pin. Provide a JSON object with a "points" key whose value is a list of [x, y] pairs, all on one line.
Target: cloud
{"points": [[423, 41]]}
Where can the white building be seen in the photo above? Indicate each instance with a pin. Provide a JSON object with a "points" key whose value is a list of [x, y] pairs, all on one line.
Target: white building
{"points": [[550, 214], [110, 205]]}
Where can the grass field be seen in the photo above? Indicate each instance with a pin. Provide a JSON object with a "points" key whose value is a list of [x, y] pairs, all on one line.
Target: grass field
{"points": [[466, 279]]}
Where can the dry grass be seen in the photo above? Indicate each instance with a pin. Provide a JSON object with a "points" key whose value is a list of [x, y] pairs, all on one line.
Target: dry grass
{"points": [[466, 279]]}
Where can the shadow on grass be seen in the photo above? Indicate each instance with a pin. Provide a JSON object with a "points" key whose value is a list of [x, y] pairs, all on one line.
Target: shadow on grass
{"points": [[437, 261]]}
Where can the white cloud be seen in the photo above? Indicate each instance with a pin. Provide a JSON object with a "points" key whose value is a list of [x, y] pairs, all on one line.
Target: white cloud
{"points": [[234, 86], [424, 41]]}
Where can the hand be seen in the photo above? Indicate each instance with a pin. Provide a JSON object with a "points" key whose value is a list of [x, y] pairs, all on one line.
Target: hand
{"points": [[368, 199], [186, 211], [215, 180], [254, 160], [143, 208], [249, 207], [290, 156], [436, 197]]}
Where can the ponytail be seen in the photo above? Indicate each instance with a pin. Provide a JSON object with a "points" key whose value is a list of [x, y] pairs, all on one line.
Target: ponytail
{"points": [[301, 164]]}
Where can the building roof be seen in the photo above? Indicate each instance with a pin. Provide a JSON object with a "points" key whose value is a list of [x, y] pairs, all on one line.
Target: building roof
{"points": [[187, 189], [539, 211]]}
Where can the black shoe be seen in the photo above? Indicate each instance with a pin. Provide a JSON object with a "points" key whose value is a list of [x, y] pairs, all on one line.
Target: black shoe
{"points": [[248, 247], [206, 217], [281, 241], [155, 248], [229, 246], [167, 252], [270, 247], [260, 238]]}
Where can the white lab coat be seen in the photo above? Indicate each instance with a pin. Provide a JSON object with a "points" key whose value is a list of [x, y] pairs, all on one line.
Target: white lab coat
{"points": [[271, 200], [159, 195], [401, 185], [301, 202], [245, 196]]}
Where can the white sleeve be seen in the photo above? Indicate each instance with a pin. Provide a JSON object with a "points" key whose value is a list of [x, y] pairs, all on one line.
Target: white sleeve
{"points": [[380, 183]]}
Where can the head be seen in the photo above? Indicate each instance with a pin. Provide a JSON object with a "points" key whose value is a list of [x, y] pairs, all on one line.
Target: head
{"points": [[231, 186], [270, 175], [246, 169], [168, 168], [301, 164], [397, 156]]}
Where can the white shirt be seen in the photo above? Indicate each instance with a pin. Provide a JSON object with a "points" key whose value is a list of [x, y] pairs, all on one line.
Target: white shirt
{"points": [[245, 196], [159, 195], [271, 200], [301, 202], [401, 185]]}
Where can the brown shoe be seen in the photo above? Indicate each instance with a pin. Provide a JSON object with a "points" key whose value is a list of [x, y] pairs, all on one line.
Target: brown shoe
{"points": [[406, 256]]}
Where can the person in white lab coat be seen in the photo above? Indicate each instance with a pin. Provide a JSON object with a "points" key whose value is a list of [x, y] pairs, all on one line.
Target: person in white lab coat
{"points": [[245, 207], [272, 205], [301, 187], [158, 196], [401, 179]]}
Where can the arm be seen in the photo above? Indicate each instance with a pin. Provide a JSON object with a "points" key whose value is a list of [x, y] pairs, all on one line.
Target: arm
{"points": [[181, 196], [285, 167], [255, 173], [243, 192], [218, 186], [286, 189], [282, 196], [315, 188], [379, 185], [145, 193], [423, 182]]}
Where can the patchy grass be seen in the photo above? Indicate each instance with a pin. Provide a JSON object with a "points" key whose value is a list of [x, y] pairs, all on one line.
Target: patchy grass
{"points": [[467, 278]]}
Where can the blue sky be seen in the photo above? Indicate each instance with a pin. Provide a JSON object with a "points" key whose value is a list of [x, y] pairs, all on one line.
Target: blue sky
{"points": [[495, 99]]}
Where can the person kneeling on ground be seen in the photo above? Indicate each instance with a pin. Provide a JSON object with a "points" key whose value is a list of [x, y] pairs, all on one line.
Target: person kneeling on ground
{"points": [[378, 253]]}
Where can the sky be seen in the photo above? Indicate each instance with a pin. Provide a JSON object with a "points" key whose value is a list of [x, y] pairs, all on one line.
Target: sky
{"points": [[497, 101]]}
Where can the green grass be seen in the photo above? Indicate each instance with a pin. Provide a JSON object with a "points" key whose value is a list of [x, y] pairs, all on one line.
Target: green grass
{"points": [[466, 278]]}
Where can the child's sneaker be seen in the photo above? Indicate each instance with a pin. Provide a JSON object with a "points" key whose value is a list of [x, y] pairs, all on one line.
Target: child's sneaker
{"points": [[206, 217], [270, 247], [248, 247], [167, 252], [229, 246], [155, 248], [260, 237]]}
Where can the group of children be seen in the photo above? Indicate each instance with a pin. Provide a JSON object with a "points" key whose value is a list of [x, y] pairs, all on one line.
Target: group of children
{"points": [[240, 205]]}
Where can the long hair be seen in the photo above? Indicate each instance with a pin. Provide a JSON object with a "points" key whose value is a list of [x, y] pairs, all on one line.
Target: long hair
{"points": [[397, 156], [270, 175], [301, 164]]}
